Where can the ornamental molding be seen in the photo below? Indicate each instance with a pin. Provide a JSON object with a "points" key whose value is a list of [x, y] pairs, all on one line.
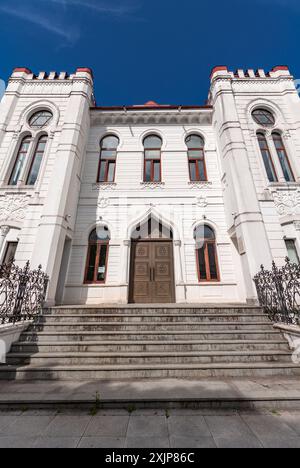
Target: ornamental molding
{"points": [[13, 207], [200, 185], [201, 201], [103, 203], [256, 81], [104, 186], [152, 185], [152, 118], [4, 230], [287, 202], [297, 225]]}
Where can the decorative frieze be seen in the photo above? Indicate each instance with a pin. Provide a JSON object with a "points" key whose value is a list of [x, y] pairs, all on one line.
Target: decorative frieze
{"points": [[152, 185], [104, 186], [287, 202], [200, 185], [13, 207]]}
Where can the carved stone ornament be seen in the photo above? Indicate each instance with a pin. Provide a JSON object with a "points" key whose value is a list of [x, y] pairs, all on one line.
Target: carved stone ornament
{"points": [[13, 207], [297, 225], [103, 203], [152, 185], [287, 203], [200, 185], [104, 186], [201, 202]]}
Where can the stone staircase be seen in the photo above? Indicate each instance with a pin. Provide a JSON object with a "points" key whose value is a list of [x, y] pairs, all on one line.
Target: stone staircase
{"points": [[83, 343]]}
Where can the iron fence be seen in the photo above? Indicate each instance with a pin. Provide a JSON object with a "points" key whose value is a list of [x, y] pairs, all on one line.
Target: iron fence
{"points": [[22, 292], [278, 292]]}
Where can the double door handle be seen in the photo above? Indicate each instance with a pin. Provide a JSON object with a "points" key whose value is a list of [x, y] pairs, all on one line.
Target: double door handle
{"points": [[152, 274]]}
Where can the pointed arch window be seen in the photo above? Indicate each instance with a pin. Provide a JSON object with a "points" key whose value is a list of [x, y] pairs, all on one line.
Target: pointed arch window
{"points": [[283, 157], [267, 158], [196, 158], [97, 258], [20, 161], [206, 254], [36, 161], [152, 158], [108, 159]]}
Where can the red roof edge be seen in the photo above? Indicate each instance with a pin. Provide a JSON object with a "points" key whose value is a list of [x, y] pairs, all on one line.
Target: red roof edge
{"points": [[218, 68], [22, 70], [85, 70], [280, 67]]}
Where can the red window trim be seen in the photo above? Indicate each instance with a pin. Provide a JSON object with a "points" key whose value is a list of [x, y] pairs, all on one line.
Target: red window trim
{"points": [[207, 267], [34, 156], [282, 148], [28, 137], [193, 160], [261, 135], [98, 244], [152, 160], [107, 161]]}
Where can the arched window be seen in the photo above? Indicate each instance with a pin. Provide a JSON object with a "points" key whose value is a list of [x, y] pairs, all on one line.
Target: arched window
{"points": [[108, 158], [267, 158], [206, 253], [20, 160], [152, 159], [96, 265], [152, 229], [283, 158], [263, 117], [40, 119], [196, 158], [36, 161]]}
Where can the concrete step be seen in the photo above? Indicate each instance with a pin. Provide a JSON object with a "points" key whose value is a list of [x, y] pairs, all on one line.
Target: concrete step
{"points": [[82, 336], [159, 371], [145, 326], [151, 318], [144, 346], [88, 358], [152, 309]]}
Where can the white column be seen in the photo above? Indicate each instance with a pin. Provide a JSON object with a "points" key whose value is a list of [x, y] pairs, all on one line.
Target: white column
{"points": [[4, 230], [126, 262]]}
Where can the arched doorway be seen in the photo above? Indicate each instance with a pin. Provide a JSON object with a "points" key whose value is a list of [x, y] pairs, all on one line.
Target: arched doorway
{"points": [[152, 264]]}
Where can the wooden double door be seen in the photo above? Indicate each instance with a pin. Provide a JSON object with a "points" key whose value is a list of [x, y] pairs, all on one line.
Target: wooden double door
{"points": [[152, 272]]}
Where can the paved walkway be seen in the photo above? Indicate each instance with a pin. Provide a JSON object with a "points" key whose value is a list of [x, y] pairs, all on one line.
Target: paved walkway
{"points": [[149, 429]]}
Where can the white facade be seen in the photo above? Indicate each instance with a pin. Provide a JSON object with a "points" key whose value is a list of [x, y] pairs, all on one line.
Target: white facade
{"points": [[53, 219]]}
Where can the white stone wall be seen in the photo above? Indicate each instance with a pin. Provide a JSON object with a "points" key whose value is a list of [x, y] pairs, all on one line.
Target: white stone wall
{"points": [[179, 203], [250, 216]]}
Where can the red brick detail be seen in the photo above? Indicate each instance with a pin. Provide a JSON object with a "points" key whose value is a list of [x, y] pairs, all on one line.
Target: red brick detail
{"points": [[218, 68], [280, 67], [85, 70], [22, 70]]}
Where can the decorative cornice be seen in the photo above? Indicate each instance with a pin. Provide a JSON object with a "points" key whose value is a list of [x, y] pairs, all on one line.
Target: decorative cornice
{"points": [[152, 117]]}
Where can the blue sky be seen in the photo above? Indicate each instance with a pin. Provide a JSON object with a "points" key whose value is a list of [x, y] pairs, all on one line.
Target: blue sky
{"points": [[161, 50]]}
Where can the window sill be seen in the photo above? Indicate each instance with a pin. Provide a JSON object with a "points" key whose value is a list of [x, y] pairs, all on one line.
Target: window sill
{"points": [[18, 188], [283, 184]]}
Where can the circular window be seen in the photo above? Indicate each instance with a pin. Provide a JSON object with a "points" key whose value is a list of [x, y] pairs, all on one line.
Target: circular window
{"points": [[263, 117], [40, 119]]}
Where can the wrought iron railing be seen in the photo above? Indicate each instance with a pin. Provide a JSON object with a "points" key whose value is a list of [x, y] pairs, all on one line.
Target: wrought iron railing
{"points": [[22, 292], [278, 292]]}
